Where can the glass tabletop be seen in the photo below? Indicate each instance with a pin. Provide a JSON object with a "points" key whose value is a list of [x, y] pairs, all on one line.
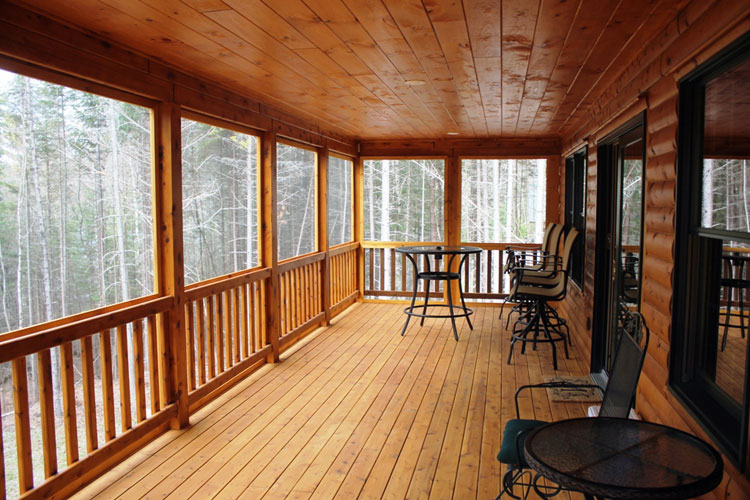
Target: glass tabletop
{"points": [[438, 250], [621, 458]]}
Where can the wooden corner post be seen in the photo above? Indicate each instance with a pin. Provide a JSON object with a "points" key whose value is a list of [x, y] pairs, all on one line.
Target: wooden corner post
{"points": [[270, 242], [359, 223], [452, 214], [325, 288], [168, 254]]}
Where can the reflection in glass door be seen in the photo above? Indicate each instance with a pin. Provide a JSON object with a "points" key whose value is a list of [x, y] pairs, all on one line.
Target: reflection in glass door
{"points": [[623, 156]]}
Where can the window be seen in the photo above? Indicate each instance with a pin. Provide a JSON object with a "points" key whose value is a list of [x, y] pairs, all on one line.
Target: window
{"points": [[295, 209], [339, 200], [575, 211], [75, 202], [503, 201], [219, 200], [404, 200], [712, 252]]}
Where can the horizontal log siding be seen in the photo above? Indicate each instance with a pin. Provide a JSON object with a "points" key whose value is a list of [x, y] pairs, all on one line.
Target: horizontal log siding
{"points": [[696, 34]]}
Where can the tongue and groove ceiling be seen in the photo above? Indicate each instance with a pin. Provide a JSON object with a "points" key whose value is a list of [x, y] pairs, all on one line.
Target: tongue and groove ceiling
{"points": [[489, 68]]}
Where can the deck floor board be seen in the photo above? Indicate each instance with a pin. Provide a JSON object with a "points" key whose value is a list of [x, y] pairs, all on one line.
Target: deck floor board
{"points": [[356, 411]]}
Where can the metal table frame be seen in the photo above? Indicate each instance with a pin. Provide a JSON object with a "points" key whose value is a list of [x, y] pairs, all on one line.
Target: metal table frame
{"points": [[428, 275]]}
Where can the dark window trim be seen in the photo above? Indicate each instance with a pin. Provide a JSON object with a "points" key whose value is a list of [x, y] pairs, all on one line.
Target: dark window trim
{"points": [[574, 162], [720, 417]]}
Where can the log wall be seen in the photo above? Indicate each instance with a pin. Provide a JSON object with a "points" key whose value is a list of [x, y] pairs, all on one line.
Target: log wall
{"points": [[651, 83]]}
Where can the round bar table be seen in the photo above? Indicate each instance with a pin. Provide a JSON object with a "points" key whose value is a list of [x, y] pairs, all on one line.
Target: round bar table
{"points": [[428, 275], [622, 458]]}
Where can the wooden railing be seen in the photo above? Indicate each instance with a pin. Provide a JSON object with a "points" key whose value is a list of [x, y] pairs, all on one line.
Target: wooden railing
{"points": [[301, 294], [225, 331], [343, 275], [389, 274], [124, 404]]}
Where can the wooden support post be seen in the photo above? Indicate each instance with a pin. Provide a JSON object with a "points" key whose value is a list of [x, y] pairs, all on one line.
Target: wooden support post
{"points": [[358, 193], [168, 256], [269, 244], [452, 215], [325, 265]]}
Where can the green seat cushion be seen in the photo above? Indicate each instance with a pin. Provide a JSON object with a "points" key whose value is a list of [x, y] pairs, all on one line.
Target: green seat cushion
{"points": [[508, 454]]}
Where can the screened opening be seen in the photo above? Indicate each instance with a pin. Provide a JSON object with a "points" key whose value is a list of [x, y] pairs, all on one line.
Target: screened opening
{"points": [[340, 205], [219, 200], [295, 209]]}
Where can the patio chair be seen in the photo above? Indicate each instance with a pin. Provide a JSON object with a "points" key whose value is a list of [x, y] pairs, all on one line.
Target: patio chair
{"points": [[538, 322], [537, 260], [617, 401]]}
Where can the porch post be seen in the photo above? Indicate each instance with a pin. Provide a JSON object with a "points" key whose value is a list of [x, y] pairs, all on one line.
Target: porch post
{"points": [[269, 244], [452, 213], [323, 232], [168, 256], [359, 223]]}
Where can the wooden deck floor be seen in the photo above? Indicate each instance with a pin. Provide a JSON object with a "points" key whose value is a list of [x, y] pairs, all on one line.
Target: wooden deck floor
{"points": [[357, 411]]}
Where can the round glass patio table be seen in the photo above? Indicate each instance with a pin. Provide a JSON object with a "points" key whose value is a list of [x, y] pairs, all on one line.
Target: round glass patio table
{"points": [[427, 275], [623, 458]]}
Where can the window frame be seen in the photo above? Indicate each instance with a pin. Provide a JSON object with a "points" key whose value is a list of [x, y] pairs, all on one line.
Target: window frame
{"points": [[717, 414], [576, 176]]}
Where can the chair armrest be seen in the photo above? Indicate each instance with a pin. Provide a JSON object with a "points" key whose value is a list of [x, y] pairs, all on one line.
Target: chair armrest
{"points": [[551, 385]]}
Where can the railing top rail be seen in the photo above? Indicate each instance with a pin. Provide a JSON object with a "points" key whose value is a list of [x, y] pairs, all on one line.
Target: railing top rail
{"points": [[43, 327], [485, 246], [343, 248], [213, 287], [58, 335], [302, 261]]}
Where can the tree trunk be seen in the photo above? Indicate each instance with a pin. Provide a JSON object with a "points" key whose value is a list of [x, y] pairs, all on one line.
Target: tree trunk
{"points": [[251, 204], [385, 221], [510, 201]]}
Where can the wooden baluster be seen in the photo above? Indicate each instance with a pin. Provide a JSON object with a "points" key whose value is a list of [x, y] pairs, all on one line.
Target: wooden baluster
{"points": [[69, 401], [313, 291], [123, 372], [108, 391], [253, 340], [371, 252], [500, 260], [228, 322], [153, 363], [284, 320], [200, 333], [89, 393], [190, 347], [477, 273], [489, 271], [23, 425], [2, 458], [220, 333], [298, 290], [242, 292], [211, 349], [392, 259], [47, 409], [290, 290], [382, 268], [139, 371], [236, 316]]}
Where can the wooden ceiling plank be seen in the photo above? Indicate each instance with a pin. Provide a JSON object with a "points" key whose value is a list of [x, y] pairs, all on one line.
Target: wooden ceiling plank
{"points": [[518, 25], [209, 36], [588, 23], [625, 21], [342, 22], [414, 23], [379, 24], [207, 5], [275, 26], [489, 73], [454, 40], [553, 24], [483, 21], [636, 48], [313, 27]]}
